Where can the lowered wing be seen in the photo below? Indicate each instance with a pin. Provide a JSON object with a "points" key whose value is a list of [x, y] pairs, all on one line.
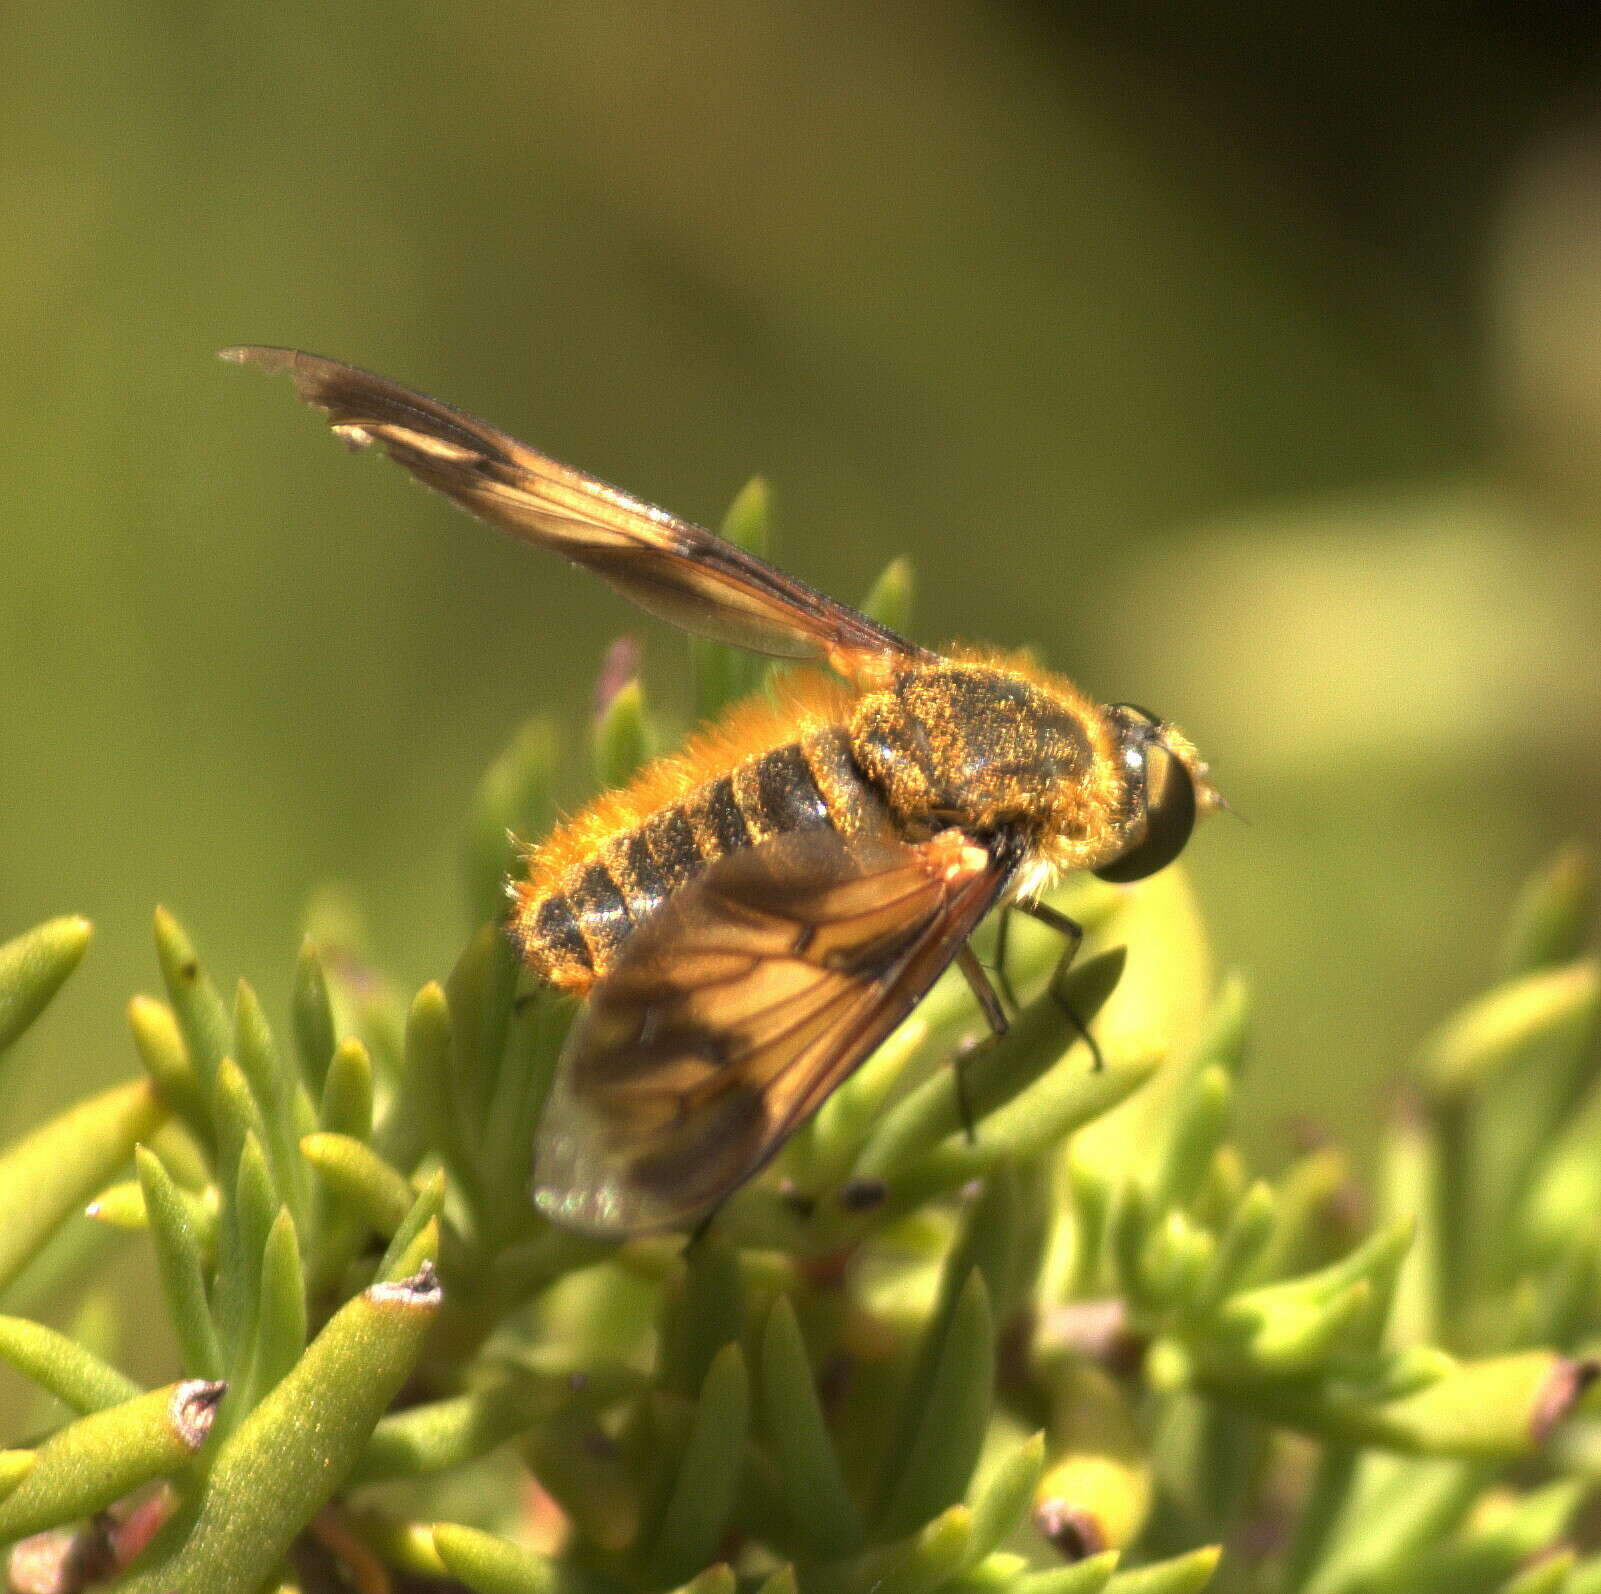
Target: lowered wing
{"points": [[734, 1011]]}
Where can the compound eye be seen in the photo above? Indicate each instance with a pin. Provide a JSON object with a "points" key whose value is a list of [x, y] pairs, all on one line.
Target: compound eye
{"points": [[1169, 819]]}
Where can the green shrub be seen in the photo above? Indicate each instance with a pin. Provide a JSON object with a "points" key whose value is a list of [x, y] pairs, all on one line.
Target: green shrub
{"points": [[1085, 1349]]}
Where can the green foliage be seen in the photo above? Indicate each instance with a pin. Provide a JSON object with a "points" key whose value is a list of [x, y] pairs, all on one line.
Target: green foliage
{"points": [[1082, 1349]]}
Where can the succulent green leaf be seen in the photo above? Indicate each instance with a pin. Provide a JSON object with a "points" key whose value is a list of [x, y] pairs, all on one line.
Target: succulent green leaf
{"points": [[513, 801], [424, 1098], [1178, 1255], [997, 1072], [822, 1153], [917, 1564], [49, 1175], [525, 1269], [622, 738], [1404, 1372], [280, 1096], [993, 1240], [1183, 1574], [442, 1434], [935, 1554], [1496, 1408], [780, 1582], [823, 1510], [280, 1333], [1291, 1307], [1499, 1537], [85, 1466], [1225, 1034], [1091, 1197], [1127, 1232], [1548, 1576], [288, 1456], [999, 1504], [119, 1206], [1383, 1517], [316, 1029], [1308, 1197], [722, 673], [1283, 1338], [946, 1418], [379, 1194], [15, 1465], [482, 988], [1242, 1242], [33, 967], [1096, 1493], [715, 1579], [1198, 1123], [1553, 1007], [709, 1475], [419, 1218], [165, 1054], [1584, 1578], [242, 1239], [1564, 1192], [704, 1311], [527, 1070], [69, 1370], [748, 519], [181, 1263], [1554, 917], [201, 1013], [347, 1092], [889, 599], [238, 1119], [1086, 1577], [491, 1565], [423, 1251]]}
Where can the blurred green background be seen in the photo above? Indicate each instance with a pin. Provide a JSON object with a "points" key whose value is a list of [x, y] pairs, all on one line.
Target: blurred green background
{"points": [[1244, 359]]}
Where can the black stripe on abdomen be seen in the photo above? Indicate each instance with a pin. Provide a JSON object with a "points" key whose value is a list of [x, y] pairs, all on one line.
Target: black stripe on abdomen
{"points": [[718, 815], [785, 793], [555, 935], [601, 912], [674, 849]]}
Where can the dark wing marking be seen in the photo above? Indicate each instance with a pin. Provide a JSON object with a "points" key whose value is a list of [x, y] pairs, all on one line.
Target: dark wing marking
{"points": [[677, 571], [736, 1009]]}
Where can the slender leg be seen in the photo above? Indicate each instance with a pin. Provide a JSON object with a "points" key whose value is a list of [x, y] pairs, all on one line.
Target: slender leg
{"points": [[1053, 920], [1003, 975], [1073, 932], [995, 1016], [701, 1229], [978, 982]]}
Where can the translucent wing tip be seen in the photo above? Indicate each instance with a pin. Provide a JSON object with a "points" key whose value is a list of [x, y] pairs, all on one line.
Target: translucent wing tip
{"points": [[262, 354]]}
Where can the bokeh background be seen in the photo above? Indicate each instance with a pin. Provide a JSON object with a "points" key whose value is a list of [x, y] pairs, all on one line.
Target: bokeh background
{"points": [[1246, 359]]}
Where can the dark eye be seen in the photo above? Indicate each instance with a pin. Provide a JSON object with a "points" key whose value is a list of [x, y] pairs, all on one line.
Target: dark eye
{"points": [[1169, 819]]}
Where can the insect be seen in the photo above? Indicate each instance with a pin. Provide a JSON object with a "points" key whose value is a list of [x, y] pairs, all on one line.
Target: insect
{"points": [[752, 916]]}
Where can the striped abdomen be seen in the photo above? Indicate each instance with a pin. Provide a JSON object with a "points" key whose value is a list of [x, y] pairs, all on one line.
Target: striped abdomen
{"points": [[571, 932]]}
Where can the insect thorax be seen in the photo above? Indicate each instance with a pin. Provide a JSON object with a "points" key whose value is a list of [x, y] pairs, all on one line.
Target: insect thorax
{"points": [[985, 746]]}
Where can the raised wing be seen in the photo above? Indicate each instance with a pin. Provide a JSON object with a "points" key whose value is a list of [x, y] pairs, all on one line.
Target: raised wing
{"points": [[737, 1008], [677, 571]]}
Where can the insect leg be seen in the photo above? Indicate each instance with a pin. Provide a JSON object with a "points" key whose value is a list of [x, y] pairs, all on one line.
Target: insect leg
{"points": [[1073, 932], [979, 983], [994, 1014], [699, 1232], [1071, 929], [1003, 975]]}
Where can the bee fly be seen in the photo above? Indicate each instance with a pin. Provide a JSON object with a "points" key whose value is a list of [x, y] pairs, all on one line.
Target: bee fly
{"points": [[750, 917]]}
